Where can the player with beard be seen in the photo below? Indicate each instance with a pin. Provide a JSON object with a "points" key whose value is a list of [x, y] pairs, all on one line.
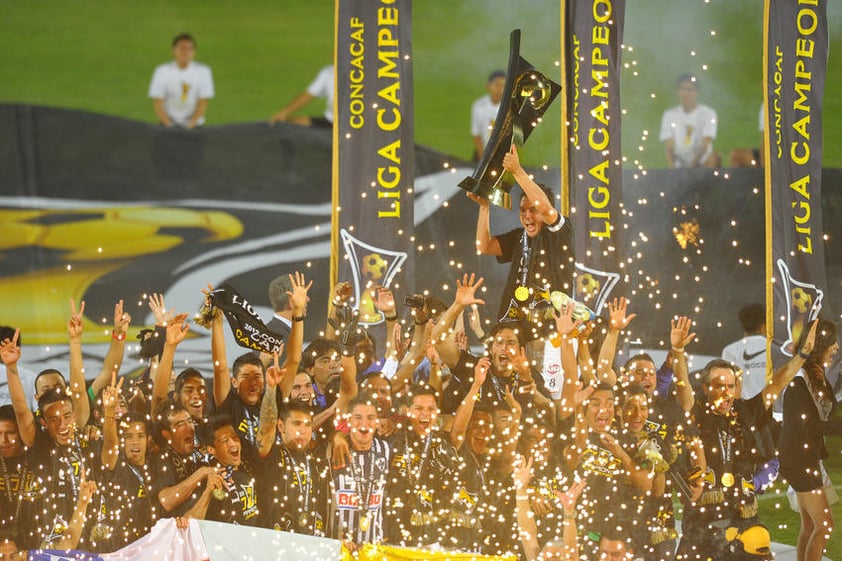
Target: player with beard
{"points": [[292, 478], [236, 500], [424, 474], [179, 473], [736, 434], [506, 347], [17, 481], [357, 488]]}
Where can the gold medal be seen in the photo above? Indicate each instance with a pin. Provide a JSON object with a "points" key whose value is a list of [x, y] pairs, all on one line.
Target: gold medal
{"points": [[219, 494], [727, 479], [521, 293], [303, 520], [365, 523]]}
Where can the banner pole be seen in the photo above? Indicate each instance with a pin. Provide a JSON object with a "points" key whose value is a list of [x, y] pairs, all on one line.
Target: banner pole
{"points": [[767, 187]]}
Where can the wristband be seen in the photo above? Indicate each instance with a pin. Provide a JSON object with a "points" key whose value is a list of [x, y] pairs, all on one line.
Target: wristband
{"points": [[679, 351], [392, 318], [118, 336], [298, 318], [803, 355], [522, 497]]}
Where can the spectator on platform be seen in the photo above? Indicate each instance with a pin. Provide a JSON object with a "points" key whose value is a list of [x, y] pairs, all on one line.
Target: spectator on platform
{"points": [[689, 129], [181, 89], [484, 112], [322, 88]]}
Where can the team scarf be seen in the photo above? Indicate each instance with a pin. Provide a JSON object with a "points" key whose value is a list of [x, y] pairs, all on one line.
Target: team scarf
{"points": [[248, 329]]}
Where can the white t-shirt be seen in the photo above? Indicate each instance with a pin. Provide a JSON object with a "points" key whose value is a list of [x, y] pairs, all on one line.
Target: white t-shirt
{"points": [[322, 87], [181, 89], [483, 115], [687, 131], [749, 355]]}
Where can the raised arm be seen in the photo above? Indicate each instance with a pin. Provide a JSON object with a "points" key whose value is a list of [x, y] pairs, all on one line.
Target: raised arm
{"points": [[462, 418], [566, 328], [298, 302], [680, 337], [70, 538], [543, 206], [269, 409], [10, 354], [486, 243], [176, 331], [465, 296], [527, 527], [617, 321], [78, 392], [384, 301], [784, 375], [219, 356], [110, 441], [114, 356]]}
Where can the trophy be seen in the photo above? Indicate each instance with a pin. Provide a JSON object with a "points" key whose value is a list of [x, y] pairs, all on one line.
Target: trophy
{"points": [[527, 95]]}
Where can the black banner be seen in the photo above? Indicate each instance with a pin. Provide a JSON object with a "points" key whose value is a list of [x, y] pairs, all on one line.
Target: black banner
{"points": [[248, 329], [591, 39], [373, 156], [795, 60]]}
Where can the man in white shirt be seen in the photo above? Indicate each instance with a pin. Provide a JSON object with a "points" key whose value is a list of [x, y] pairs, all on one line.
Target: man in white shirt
{"points": [[749, 353], [181, 88], [322, 88], [688, 130], [484, 112]]}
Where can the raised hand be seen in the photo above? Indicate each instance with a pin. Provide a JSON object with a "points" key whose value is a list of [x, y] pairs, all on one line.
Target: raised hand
{"points": [[569, 497], [384, 301], [74, 324], [9, 350], [475, 322], [617, 314], [274, 374], [481, 201], [680, 335], [522, 473], [511, 161], [111, 396], [177, 329], [298, 295], [159, 310], [465, 290], [481, 371], [564, 320], [121, 320], [341, 293], [460, 339], [86, 488]]}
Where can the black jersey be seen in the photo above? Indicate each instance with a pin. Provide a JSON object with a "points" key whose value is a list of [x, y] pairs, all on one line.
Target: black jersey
{"points": [[294, 488]]}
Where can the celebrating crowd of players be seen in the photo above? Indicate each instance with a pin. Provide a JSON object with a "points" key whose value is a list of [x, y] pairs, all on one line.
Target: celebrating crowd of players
{"points": [[427, 442], [338, 442]]}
